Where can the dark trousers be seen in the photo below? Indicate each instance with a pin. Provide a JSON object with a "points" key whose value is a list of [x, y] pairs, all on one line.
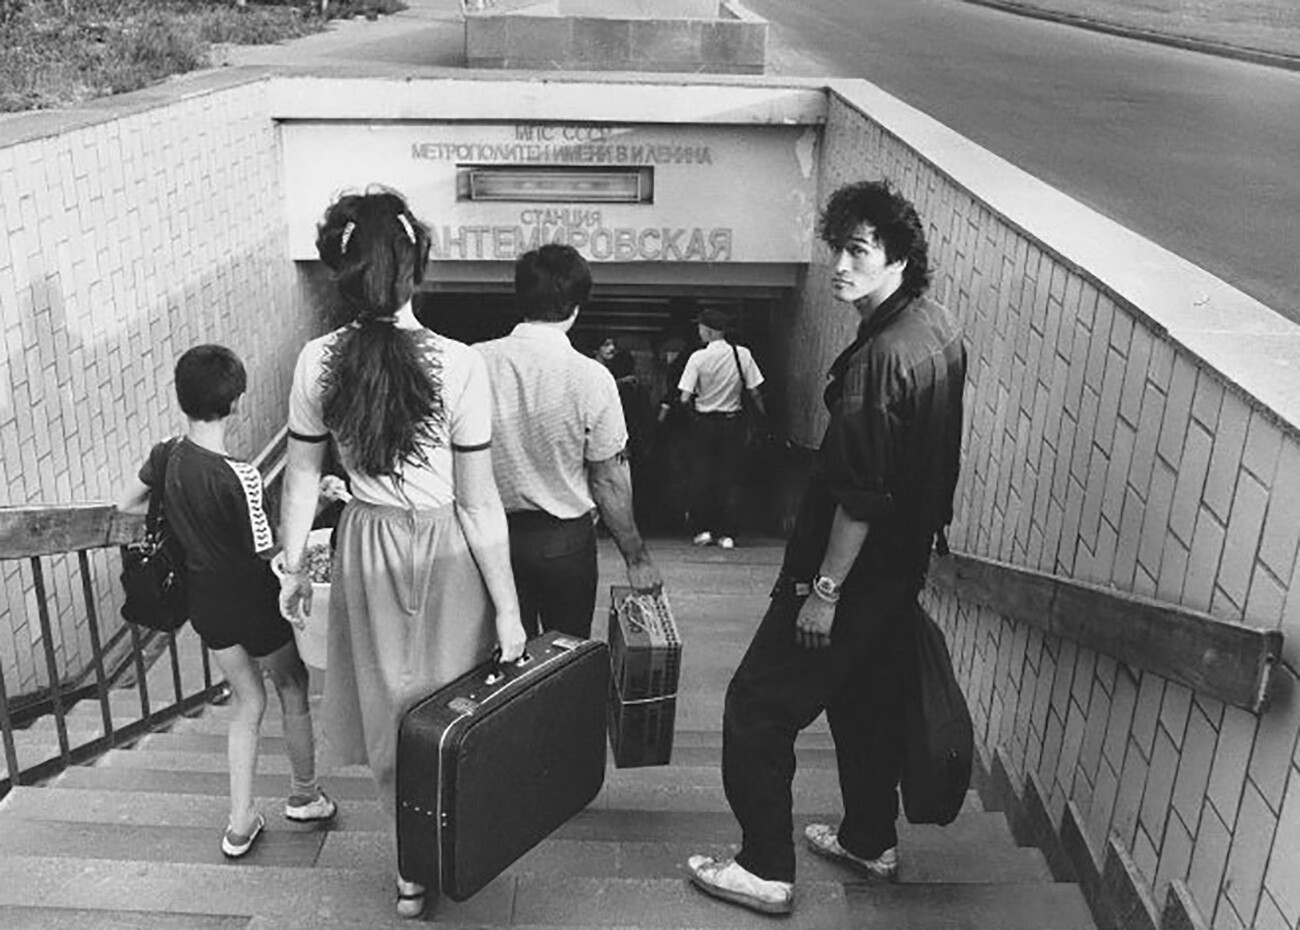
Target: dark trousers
{"points": [[780, 688], [554, 564], [717, 453]]}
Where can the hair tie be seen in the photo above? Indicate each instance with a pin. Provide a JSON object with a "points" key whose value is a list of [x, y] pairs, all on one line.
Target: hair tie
{"points": [[406, 224], [347, 234]]}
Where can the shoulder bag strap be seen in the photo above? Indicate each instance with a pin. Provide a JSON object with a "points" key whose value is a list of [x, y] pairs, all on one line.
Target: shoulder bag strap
{"points": [[157, 508], [735, 353]]}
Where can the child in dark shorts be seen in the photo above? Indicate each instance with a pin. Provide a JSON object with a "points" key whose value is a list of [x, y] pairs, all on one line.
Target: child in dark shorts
{"points": [[214, 508]]}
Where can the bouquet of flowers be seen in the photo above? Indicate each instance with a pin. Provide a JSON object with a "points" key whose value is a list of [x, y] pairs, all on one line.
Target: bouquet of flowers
{"points": [[316, 562]]}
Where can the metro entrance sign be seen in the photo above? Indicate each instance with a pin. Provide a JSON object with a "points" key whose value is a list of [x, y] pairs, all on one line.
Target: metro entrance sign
{"points": [[721, 194]]}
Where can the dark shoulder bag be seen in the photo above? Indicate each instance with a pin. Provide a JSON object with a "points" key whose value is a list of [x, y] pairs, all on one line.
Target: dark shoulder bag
{"points": [[939, 738], [755, 427], [153, 567]]}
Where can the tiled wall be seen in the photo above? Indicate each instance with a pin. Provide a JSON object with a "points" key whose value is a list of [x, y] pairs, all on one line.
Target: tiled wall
{"points": [[1099, 450], [126, 236]]}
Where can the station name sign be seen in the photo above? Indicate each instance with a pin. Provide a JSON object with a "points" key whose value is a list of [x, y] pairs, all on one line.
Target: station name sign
{"points": [[587, 232]]}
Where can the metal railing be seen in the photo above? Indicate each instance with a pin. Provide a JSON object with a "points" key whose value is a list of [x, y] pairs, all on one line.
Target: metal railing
{"points": [[121, 664]]}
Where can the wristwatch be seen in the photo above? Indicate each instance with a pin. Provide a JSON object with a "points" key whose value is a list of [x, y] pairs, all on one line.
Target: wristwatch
{"points": [[826, 588]]}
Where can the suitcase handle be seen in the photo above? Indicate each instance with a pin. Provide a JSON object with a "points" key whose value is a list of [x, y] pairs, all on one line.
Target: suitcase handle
{"points": [[498, 671]]}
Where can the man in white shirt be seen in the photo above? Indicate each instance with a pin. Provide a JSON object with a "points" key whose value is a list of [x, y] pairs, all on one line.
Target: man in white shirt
{"points": [[559, 450], [714, 377]]}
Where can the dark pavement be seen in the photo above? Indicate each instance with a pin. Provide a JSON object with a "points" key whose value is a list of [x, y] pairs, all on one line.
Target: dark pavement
{"points": [[1195, 152]]}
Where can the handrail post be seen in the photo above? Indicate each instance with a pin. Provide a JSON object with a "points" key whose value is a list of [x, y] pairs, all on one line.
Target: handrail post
{"points": [[51, 662], [96, 643], [7, 733], [176, 665], [207, 667], [137, 653]]}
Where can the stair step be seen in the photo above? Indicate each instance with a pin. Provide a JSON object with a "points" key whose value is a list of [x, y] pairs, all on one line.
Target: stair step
{"points": [[658, 788], [655, 789], [928, 855], [162, 809], [688, 750], [696, 711], [163, 760], [145, 807], [116, 778], [282, 843], [66, 918], [1056, 906], [282, 895], [307, 898], [325, 899]]}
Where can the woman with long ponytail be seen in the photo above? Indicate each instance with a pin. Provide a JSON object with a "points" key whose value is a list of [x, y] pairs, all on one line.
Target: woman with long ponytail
{"points": [[422, 587]]}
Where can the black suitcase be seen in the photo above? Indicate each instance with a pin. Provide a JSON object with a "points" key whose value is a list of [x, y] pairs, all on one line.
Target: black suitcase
{"points": [[491, 764]]}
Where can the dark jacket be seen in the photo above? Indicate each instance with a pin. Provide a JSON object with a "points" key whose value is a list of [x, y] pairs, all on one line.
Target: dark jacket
{"points": [[892, 449]]}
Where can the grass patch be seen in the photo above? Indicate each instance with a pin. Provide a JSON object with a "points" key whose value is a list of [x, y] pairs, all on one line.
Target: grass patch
{"points": [[58, 53]]}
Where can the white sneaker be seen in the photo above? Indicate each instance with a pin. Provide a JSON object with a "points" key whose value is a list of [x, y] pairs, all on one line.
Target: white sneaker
{"points": [[702, 539], [824, 840], [728, 880], [321, 808], [726, 542]]}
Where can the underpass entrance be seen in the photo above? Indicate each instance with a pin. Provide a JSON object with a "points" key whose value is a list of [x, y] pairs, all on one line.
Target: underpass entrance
{"points": [[653, 331]]}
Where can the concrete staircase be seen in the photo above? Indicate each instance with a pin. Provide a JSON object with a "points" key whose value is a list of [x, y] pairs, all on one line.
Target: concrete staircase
{"points": [[132, 842]]}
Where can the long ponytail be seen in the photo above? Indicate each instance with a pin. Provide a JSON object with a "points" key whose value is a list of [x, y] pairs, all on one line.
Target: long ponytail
{"points": [[382, 394]]}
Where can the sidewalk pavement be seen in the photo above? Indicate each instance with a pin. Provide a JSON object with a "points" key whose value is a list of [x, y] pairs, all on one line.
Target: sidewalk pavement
{"points": [[430, 33], [1232, 43]]}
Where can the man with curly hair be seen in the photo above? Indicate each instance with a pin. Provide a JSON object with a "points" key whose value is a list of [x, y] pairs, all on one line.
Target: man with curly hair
{"points": [[838, 636]]}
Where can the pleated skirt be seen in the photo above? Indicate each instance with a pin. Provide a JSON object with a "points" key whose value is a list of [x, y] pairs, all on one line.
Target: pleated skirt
{"points": [[409, 613]]}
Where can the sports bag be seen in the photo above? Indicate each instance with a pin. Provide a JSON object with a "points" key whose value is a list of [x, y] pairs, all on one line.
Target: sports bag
{"points": [[153, 567], [939, 739]]}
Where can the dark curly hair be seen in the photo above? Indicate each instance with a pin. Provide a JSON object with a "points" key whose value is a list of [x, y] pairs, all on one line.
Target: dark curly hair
{"points": [[381, 397], [897, 225]]}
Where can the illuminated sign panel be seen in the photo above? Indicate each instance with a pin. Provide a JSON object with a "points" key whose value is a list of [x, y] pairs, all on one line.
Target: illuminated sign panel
{"points": [[616, 193], [556, 184]]}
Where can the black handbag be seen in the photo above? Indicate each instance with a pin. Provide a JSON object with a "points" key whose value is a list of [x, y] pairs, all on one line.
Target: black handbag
{"points": [[939, 738], [153, 568]]}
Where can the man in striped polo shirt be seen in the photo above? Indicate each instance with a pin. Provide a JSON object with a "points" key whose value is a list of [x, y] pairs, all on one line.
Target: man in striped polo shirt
{"points": [[559, 450]]}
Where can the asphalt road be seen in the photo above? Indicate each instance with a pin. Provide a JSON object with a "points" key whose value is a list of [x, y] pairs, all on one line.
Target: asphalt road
{"points": [[1198, 153]]}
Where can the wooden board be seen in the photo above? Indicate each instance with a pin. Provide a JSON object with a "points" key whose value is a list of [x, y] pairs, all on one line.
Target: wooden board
{"points": [[48, 529], [1228, 661]]}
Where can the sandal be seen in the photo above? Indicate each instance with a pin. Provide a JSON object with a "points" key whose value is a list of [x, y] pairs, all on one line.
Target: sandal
{"points": [[410, 899], [234, 846]]}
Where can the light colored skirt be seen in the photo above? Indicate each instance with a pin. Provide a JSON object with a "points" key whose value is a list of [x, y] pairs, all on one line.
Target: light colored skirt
{"points": [[408, 614]]}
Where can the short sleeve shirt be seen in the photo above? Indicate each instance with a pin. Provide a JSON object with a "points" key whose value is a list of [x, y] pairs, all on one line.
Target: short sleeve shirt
{"points": [[214, 506], [712, 376], [466, 424], [553, 411]]}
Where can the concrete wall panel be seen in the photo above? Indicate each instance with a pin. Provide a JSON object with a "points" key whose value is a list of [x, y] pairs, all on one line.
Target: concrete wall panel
{"points": [[127, 239]]}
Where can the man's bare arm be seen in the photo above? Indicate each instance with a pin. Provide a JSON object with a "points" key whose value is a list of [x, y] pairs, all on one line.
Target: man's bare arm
{"points": [[610, 481]]}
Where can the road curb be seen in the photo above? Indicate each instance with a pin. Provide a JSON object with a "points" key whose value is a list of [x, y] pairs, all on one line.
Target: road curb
{"points": [[1205, 46]]}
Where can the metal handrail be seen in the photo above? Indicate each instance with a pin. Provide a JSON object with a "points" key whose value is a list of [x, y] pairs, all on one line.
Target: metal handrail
{"points": [[40, 531]]}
